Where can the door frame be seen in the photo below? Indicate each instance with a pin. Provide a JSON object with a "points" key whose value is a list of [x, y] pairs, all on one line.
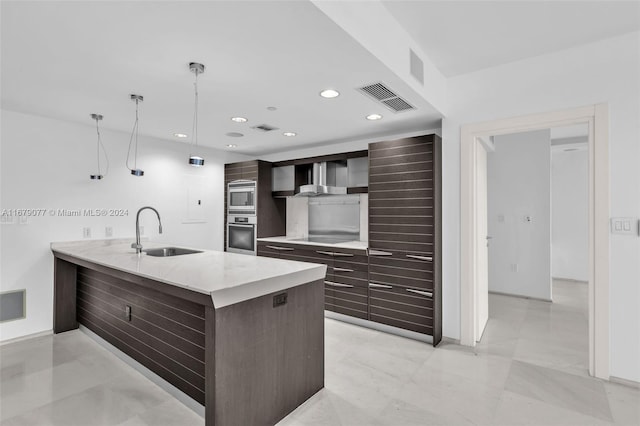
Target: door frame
{"points": [[597, 117]]}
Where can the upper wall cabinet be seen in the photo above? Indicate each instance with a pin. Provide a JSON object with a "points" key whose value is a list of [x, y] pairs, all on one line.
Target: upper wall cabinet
{"points": [[289, 175], [283, 178]]}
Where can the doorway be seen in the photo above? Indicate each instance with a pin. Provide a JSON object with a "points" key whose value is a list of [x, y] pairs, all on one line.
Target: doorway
{"points": [[472, 137]]}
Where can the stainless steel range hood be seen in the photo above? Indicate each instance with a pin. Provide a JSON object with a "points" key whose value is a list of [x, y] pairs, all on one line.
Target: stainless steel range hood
{"points": [[328, 178]]}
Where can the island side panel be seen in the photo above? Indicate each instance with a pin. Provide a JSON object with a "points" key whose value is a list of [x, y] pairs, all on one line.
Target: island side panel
{"points": [[268, 359], [64, 296], [163, 333]]}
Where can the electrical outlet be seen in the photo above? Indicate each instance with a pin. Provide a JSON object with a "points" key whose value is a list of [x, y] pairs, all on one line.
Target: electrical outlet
{"points": [[86, 232], [623, 225], [514, 267], [108, 231]]}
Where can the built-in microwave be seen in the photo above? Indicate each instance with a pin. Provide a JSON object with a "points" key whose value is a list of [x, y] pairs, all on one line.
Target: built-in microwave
{"points": [[241, 234], [241, 198]]}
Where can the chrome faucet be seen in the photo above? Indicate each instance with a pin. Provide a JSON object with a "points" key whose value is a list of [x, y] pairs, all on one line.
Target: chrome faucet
{"points": [[137, 244]]}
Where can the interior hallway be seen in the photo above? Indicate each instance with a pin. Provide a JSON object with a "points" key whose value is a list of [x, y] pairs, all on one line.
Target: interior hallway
{"points": [[530, 368]]}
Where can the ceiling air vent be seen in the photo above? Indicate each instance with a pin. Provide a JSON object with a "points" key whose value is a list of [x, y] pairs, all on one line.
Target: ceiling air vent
{"points": [[264, 127], [386, 96]]}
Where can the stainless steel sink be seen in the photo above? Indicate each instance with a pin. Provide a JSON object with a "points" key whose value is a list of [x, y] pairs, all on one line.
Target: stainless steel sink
{"points": [[169, 251]]}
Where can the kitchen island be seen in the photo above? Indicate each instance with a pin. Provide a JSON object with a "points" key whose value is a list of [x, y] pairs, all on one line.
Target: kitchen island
{"points": [[242, 335]]}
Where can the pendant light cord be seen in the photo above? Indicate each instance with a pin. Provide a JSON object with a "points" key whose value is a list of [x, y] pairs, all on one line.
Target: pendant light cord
{"points": [[101, 145], [194, 128], [134, 131]]}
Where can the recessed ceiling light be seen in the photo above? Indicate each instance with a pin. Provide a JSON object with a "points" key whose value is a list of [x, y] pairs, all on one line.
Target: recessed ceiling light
{"points": [[373, 117], [235, 135], [329, 93], [289, 133], [180, 135], [271, 108], [239, 119], [231, 145]]}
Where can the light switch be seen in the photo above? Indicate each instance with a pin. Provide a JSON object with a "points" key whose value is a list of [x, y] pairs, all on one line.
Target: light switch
{"points": [[624, 226]]}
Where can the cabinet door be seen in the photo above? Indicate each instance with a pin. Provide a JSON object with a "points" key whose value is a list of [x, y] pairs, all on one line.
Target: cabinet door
{"points": [[407, 308], [346, 299], [404, 234], [268, 250]]}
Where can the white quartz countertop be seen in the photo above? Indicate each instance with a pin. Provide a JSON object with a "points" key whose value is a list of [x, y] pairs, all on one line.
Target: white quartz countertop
{"points": [[357, 245], [228, 277]]}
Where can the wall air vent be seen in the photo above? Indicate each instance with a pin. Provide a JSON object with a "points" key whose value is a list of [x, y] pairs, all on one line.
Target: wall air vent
{"points": [[264, 127], [387, 97]]}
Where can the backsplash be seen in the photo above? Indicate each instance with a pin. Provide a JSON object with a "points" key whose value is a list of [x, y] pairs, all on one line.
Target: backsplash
{"points": [[298, 217]]}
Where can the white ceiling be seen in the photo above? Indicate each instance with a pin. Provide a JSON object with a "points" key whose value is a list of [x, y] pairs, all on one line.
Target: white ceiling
{"points": [[465, 36], [66, 60]]}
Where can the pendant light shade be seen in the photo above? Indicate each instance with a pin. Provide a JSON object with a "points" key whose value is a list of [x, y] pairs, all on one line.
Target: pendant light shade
{"points": [[99, 146], [133, 141], [195, 160]]}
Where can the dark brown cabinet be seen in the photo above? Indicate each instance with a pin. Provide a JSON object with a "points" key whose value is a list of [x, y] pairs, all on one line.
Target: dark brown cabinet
{"points": [[271, 219], [405, 287], [346, 283], [399, 282]]}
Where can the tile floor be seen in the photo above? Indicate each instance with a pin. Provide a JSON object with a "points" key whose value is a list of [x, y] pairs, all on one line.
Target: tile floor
{"points": [[530, 368]]}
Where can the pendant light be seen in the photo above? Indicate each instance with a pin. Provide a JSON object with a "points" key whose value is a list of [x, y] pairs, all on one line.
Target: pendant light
{"points": [[195, 160], [99, 145], [134, 137]]}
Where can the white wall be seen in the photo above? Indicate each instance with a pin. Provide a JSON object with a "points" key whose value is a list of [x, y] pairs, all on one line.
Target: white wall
{"points": [[569, 213], [518, 180], [605, 71], [46, 165]]}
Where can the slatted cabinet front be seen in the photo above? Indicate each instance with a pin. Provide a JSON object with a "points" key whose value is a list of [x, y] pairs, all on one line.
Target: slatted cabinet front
{"points": [[404, 234]]}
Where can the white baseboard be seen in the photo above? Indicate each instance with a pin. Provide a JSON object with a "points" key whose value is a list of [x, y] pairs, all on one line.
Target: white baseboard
{"points": [[570, 280], [27, 337], [521, 296], [625, 382]]}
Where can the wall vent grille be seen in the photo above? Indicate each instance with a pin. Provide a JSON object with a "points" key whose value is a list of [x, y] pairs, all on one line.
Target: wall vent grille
{"points": [[387, 97], [12, 305]]}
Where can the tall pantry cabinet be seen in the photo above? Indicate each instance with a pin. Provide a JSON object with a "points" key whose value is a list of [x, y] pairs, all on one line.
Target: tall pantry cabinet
{"points": [[405, 283]]}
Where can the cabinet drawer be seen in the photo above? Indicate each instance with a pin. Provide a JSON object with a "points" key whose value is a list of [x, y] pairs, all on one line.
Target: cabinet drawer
{"points": [[305, 256], [341, 298], [381, 268], [268, 250], [401, 308], [422, 284], [351, 280], [356, 263]]}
